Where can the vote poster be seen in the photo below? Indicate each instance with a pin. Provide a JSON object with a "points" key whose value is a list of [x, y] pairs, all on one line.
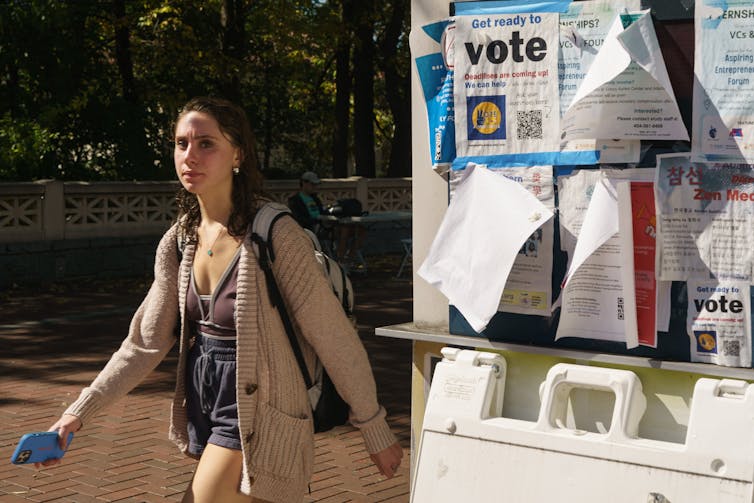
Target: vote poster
{"points": [[506, 89], [719, 322]]}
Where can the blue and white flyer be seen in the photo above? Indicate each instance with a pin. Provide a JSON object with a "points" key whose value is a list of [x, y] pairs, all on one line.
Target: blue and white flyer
{"points": [[626, 93], [723, 113], [506, 86], [436, 77], [583, 29], [705, 219], [719, 322]]}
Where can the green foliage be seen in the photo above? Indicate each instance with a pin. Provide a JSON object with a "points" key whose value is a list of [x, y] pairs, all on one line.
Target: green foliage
{"points": [[28, 150], [79, 103]]}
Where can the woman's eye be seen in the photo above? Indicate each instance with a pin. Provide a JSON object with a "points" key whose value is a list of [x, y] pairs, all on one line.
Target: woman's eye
{"points": [[180, 144], [206, 144]]}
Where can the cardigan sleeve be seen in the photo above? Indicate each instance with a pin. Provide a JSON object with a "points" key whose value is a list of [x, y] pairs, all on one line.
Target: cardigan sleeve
{"points": [[150, 337], [320, 319]]}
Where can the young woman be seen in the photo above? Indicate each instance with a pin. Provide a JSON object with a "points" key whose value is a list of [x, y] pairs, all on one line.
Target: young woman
{"points": [[240, 403]]}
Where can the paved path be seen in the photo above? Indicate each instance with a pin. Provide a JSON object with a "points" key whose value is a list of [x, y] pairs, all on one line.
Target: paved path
{"points": [[53, 342]]}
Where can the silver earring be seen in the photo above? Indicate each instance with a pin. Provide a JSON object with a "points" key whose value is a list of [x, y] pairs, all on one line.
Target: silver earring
{"points": [[236, 170]]}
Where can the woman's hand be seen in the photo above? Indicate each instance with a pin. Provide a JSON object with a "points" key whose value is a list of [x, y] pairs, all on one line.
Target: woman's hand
{"points": [[388, 460], [65, 425]]}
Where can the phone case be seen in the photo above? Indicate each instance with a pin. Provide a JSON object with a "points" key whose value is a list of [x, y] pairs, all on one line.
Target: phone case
{"points": [[37, 447]]}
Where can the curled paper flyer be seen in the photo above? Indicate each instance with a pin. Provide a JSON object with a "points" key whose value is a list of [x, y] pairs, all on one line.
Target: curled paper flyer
{"points": [[436, 79], [626, 93], [529, 286], [583, 29], [487, 222]]}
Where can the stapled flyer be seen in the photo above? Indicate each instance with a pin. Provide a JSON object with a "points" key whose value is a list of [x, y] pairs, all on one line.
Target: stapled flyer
{"points": [[528, 289], [626, 93], [723, 113], [705, 218], [583, 29], [719, 322], [506, 99], [436, 77]]}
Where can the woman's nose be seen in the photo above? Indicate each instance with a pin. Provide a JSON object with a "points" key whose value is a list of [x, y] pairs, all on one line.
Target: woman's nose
{"points": [[190, 154]]}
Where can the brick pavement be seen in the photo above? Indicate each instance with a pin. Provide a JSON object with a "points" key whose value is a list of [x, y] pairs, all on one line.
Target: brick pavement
{"points": [[54, 340]]}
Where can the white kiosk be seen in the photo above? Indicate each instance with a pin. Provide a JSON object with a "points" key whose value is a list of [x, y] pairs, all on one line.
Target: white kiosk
{"points": [[517, 423]]}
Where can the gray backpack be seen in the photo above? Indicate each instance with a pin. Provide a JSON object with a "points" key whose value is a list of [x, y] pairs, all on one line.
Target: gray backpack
{"points": [[328, 408], [333, 271]]}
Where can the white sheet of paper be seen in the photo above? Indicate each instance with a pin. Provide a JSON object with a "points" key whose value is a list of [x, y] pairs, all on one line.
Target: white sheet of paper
{"points": [[574, 191], [600, 224], [625, 217], [529, 286], [627, 92], [485, 225]]}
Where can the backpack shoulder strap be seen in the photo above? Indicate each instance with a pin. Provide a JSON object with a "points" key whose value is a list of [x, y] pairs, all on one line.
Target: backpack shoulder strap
{"points": [[261, 236], [261, 227]]}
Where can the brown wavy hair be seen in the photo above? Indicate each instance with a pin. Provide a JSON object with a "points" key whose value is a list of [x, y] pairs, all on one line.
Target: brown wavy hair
{"points": [[247, 184]]}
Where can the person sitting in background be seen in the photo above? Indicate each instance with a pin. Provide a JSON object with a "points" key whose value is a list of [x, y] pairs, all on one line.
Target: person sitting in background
{"points": [[305, 205]]}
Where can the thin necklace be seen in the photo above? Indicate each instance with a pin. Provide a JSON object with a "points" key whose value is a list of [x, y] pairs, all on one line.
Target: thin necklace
{"points": [[209, 250]]}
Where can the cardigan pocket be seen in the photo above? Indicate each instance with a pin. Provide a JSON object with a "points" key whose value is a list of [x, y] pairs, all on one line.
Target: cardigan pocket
{"points": [[283, 445]]}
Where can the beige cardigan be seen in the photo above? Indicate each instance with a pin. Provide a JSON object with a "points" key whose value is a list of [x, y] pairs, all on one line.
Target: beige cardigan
{"points": [[273, 409]]}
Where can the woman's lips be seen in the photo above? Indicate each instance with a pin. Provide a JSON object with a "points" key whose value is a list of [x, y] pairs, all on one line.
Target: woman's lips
{"points": [[191, 175]]}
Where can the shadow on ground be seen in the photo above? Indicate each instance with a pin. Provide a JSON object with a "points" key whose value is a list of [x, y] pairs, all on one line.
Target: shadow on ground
{"points": [[65, 332]]}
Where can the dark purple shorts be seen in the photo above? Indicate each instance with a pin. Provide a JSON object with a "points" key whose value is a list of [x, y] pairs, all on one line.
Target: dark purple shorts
{"points": [[211, 395]]}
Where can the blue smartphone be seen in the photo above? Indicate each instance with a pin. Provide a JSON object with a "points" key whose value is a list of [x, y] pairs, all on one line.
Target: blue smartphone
{"points": [[39, 446]]}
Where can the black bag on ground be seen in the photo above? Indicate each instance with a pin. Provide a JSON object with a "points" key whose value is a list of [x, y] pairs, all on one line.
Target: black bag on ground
{"points": [[328, 407]]}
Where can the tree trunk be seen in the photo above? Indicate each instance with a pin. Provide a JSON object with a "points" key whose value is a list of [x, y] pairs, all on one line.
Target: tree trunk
{"points": [[400, 148], [398, 92], [123, 52], [233, 44], [135, 155], [342, 101], [363, 95]]}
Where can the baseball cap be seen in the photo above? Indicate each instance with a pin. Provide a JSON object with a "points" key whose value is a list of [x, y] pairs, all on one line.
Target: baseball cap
{"points": [[310, 176]]}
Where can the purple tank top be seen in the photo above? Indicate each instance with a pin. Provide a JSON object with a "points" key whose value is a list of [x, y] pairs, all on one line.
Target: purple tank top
{"points": [[214, 315]]}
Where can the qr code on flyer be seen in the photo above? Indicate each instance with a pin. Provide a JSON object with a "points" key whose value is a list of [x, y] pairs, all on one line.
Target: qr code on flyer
{"points": [[732, 347], [620, 312], [529, 124]]}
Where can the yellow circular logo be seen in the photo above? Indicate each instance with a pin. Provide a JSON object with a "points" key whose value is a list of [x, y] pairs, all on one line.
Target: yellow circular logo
{"points": [[487, 117], [706, 341]]}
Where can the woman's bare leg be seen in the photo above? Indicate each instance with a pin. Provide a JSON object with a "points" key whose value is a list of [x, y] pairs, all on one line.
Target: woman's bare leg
{"points": [[217, 478]]}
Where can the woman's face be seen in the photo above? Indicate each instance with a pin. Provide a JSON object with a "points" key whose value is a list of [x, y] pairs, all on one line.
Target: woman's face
{"points": [[204, 158]]}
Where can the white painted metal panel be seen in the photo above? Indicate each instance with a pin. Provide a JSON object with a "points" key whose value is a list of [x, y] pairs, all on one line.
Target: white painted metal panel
{"points": [[469, 453]]}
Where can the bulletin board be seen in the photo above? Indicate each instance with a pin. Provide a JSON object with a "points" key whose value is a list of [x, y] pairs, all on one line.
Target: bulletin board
{"points": [[674, 26]]}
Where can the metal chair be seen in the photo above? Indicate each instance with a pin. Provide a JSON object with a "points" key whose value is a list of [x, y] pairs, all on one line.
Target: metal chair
{"points": [[407, 254]]}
